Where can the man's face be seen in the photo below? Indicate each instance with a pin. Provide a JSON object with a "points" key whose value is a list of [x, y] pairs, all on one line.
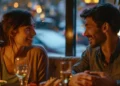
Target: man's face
{"points": [[94, 34]]}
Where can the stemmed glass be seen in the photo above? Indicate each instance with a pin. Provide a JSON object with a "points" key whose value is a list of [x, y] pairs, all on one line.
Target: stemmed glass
{"points": [[22, 70], [65, 72]]}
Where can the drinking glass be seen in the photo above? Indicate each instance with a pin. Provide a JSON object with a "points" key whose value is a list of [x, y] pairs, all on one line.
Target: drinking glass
{"points": [[22, 70], [65, 72]]}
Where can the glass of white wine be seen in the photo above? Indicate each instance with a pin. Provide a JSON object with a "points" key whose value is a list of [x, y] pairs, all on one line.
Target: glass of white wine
{"points": [[22, 70], [65, 72]]}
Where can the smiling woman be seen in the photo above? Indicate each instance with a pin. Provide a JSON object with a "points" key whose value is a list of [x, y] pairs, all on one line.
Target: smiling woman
{"points": [[27, 32], [17, 31]]}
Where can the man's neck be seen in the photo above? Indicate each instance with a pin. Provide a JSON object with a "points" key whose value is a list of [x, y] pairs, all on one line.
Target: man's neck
{"points": [[109, 47]]}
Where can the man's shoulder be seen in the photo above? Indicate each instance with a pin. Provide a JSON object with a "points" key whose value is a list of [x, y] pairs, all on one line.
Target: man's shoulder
{"points": [[91, 49]]}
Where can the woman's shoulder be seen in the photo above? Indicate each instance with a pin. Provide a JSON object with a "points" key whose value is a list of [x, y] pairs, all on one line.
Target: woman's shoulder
{"points": [[34, 52], [36, 49]]}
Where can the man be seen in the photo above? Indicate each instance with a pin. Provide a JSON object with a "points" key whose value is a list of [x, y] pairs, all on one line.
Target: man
{"points": [[100, 63]]}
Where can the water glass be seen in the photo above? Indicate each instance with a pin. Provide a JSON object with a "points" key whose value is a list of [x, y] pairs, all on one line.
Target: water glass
{"points": [[65, 72]]}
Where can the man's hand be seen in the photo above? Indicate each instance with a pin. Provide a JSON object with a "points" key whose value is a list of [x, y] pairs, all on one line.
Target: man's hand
{"points": [[81, 79], [88, 78], [103, 79]]}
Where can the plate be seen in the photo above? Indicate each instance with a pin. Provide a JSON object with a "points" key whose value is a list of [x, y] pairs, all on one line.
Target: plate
{"points": [[3, 81]]}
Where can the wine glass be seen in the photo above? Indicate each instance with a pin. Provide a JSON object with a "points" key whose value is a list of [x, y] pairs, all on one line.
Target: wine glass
{"points": [[65, 72], [22, 70]]}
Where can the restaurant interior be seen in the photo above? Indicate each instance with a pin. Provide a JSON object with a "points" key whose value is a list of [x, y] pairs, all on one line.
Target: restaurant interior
{"points": [[59, 28]]}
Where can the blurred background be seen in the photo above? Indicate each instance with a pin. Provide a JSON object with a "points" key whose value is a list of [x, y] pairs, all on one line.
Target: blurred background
{"points": [[52, 23]]}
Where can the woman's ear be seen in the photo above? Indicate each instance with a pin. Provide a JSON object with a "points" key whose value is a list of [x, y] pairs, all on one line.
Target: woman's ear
{"points": [[13, 33]]}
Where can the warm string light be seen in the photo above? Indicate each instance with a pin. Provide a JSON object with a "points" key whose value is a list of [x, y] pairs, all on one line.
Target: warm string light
{"points": [[5, 8], [96, 1], [87, 1], [118, 33], [16, 5], [69, 34], [42, 16], [91, 1], [38, 9], [29, 4]]}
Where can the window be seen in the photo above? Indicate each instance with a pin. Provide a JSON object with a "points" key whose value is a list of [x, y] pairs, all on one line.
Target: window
{"points": [[81, 40], [59, 27]]}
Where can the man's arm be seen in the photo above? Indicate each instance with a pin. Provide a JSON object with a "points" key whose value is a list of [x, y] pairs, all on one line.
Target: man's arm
{"points": [[118, 82], [92, 79], [82, 64]]}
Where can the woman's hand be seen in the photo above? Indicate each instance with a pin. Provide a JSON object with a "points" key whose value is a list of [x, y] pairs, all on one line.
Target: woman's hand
{"points": [[51, 82]]}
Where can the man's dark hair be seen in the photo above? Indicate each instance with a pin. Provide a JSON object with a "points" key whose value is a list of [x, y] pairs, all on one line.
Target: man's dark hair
{"points": [[102, 13]]}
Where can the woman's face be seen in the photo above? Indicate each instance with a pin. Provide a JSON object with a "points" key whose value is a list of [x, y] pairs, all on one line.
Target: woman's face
{"points": [[24, 35]]}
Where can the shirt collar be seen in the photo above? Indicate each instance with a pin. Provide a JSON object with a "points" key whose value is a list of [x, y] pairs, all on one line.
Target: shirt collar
{"points": [[113, 56]]}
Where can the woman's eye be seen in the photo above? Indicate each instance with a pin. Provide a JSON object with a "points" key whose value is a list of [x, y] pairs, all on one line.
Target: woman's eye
{"points": [[27, 29], [33, 26]]}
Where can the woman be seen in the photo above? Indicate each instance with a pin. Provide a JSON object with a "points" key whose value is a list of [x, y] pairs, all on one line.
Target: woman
{"points": [[17, 31]]}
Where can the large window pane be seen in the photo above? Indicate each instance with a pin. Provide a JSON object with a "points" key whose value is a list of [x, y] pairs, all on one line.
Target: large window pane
{"points": [[49, 16], [81, 40]]}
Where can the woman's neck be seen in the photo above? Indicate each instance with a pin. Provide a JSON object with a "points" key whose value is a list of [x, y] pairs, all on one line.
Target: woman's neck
{"points": [[14, 50]]}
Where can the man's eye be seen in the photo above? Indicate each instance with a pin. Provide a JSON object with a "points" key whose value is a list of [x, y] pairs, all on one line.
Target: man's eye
{"points": [[89, 27]]}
